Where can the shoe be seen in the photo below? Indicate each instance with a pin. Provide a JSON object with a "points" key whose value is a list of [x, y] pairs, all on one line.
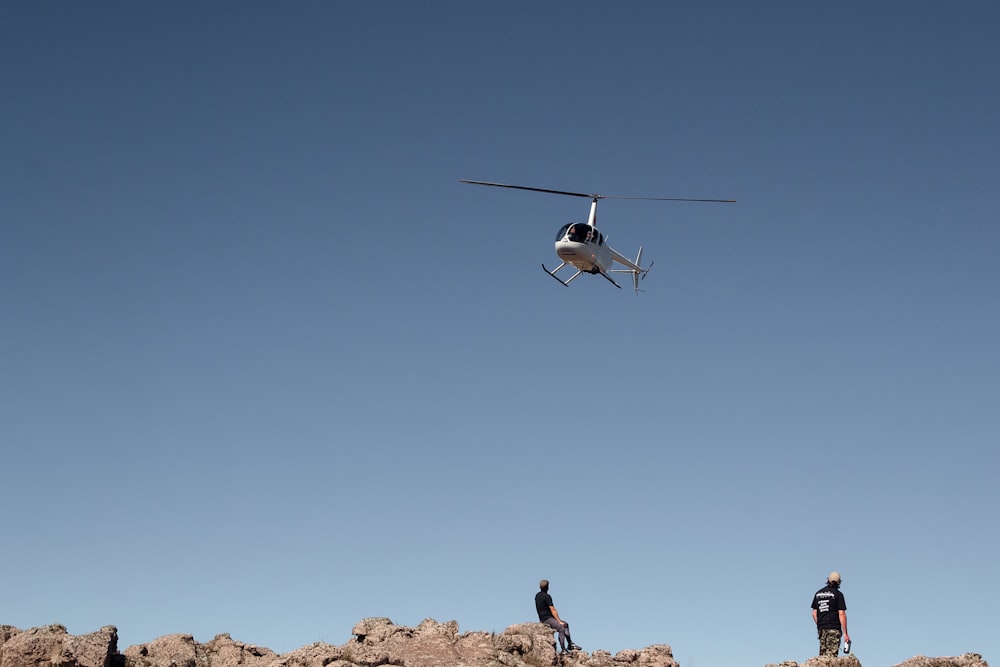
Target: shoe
{"points": [[575, 647]]}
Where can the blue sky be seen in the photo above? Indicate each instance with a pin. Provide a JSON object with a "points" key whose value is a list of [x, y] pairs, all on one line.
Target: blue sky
{"points": [[268, 368]]}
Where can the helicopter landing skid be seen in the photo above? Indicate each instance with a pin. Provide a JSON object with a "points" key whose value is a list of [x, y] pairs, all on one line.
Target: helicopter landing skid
{"points": [[565, 283]]}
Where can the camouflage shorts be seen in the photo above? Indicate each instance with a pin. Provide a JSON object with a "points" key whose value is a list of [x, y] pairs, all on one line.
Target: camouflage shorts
{"points": [[829, 642]]}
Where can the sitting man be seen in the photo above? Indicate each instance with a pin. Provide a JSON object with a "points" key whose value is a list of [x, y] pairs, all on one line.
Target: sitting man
{"points": [[547, 614]]}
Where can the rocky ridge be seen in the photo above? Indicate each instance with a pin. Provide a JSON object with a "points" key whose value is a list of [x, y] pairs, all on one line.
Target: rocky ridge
{"points": [[376, 642]]}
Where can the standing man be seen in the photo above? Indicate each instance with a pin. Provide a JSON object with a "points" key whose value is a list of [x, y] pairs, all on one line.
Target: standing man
{"points": [[829, 612], [547, 614]]}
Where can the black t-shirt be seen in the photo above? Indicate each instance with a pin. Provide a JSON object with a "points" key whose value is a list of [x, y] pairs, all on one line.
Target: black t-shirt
{"points": [[542, 603], [828, 603]]}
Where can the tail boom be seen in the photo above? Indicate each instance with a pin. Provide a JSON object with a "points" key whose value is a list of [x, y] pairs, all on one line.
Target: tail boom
{"points": [[634, 268]]}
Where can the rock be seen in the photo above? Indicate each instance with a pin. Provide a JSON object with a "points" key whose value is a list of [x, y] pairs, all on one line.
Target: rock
{"points": [[53, 646], [224, 652], [966, 660], [373, 630], [374, 640], [183, 651], [531, 643], [656, 655], [431, 644], [828, 661], [316, 655], [377, 642], [176, 650], [823, 661], [6, 632]]}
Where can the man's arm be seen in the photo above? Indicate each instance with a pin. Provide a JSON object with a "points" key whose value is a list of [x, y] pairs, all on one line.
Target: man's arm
{"points": [[555, 615], [843, 624], [815, 617]]}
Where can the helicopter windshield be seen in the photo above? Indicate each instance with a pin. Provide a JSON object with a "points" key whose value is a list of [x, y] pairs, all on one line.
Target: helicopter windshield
{"points": [[580, 233]]}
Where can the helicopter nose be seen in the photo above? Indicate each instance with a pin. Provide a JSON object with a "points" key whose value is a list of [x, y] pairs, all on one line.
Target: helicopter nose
{"points": [[567, 250]]}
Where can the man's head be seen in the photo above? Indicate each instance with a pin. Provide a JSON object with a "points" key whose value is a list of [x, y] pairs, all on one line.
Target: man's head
{"points": [[544, 585], [834, 578]]}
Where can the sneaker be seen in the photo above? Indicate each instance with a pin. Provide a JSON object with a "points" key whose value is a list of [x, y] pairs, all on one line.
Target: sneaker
{"points": [[575, 647]]}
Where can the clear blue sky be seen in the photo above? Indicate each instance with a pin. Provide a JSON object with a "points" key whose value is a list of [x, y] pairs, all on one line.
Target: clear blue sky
{"points": [[268, 368]]}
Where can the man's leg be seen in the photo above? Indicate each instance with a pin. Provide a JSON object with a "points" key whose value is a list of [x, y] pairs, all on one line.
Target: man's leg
{"points": [[561, 629], [829, 642]]}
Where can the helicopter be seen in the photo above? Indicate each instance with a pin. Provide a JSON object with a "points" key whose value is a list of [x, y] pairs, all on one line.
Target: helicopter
{"points": [[584, 247]]}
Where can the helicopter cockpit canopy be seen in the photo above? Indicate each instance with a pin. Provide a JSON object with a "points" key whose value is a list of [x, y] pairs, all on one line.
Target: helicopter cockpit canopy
{"points": [[579, 232]]}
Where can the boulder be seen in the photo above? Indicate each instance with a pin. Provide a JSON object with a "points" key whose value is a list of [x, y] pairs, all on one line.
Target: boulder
{"points": [[828, 661], [965, 660], [531, 643], [177, 650], [223, 651], [316, 655], [180, 650], [53, 646], [431, 644]]}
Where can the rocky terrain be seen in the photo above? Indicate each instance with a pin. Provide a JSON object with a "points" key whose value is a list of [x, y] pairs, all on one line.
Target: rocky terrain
{"points": [[376, 642]]}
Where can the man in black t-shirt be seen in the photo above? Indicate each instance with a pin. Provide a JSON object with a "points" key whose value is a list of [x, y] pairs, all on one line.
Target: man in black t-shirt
{"points": [[829, 612], [547, 614]]}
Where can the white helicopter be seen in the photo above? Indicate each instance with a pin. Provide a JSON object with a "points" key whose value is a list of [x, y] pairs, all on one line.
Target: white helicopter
{"points": [[584, 247]]}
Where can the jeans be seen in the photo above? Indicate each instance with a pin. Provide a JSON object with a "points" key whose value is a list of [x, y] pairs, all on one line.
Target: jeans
{"points": [[563, 631]]}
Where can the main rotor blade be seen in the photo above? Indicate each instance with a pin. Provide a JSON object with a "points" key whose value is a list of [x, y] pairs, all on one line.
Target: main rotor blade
{"points": [[593, 196], [524, 187], [718, 201]]}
